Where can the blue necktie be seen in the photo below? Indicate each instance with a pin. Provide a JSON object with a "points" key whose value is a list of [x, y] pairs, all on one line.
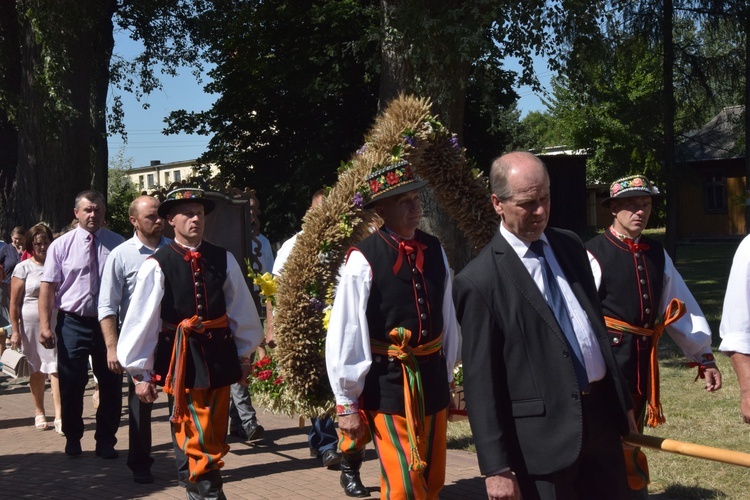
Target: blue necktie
{"points": [[556, 301]]}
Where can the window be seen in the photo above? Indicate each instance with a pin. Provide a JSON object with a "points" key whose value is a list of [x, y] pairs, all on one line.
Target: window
{"points": [[140, 182], [177, 176], [150, 180], [715, 192], [166, 178]]}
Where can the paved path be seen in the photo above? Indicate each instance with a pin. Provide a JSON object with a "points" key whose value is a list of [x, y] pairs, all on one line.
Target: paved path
{"points": [[33, 465]]}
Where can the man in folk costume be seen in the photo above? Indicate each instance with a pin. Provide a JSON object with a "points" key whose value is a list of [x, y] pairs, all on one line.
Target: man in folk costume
{"points": [[191, 327], [391, 346], [642, 294]]}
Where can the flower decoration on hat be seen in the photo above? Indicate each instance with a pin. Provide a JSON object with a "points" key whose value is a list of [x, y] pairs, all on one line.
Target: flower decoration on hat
{"points": [[186, 194], [631, 185]]}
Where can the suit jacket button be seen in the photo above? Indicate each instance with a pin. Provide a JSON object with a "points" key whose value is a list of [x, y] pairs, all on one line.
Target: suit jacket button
{"points": [[566, 354], [575, 395], [377, 359]]}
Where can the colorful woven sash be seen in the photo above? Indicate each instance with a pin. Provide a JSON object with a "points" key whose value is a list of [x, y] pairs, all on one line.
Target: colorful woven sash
{"points": [[675, 310], [175, 382], [413, 393]]}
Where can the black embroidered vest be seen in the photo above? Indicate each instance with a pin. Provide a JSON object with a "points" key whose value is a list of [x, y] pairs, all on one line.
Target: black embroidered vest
{"points": [[631, 291], [195, 288], [409, 299]]}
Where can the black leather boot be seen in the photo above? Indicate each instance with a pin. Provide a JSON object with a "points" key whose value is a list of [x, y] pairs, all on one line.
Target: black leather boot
{"points": [[211, 485], [350, 481]]}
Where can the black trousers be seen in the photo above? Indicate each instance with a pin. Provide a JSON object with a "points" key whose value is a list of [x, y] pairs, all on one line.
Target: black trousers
{"points": [[77, 338], [139, 431], [599, 471]]}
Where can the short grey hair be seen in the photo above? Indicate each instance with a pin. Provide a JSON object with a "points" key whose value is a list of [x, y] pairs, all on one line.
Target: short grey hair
{"points": [[500, 170]]}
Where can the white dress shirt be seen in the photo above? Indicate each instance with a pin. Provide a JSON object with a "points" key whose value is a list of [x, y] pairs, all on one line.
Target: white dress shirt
{"points": [[735, 317], [596, 369]]}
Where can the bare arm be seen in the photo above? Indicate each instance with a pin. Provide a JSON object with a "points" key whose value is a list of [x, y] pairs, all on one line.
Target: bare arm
{"points": [[17, 290], [46, 304], [269, 325], [741, 364], [109, 331]]}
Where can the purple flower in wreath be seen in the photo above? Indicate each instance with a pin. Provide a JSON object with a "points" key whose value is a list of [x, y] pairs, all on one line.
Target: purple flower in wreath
{"points": [[411, 141], [361, 150], [358, 200], [316, 304], [454, 141]]}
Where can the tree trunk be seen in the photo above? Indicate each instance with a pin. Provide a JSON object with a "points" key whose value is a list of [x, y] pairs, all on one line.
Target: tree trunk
{"points": [[672, 187], [446, 87], [62, 147], [11, 84]]}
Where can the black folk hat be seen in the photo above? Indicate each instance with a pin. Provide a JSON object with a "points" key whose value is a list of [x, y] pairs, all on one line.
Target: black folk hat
{"points": [[631, 186], [391, 180], [183, 195]]}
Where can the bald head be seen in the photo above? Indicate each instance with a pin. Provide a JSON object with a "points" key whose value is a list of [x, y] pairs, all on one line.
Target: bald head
{"points": [[513, 161], [145, 218], [141, 203], [318, 198], [520, 194]]}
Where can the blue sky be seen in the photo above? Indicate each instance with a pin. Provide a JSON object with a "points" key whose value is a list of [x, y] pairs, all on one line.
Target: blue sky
{"points": [[145, 140]]}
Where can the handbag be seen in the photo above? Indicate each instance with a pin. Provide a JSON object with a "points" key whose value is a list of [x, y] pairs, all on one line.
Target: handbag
{"points": [[14, 363]]}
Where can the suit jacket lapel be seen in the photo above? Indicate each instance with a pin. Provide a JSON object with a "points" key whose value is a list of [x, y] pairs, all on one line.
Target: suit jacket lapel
{"points": [[509, 264], [573, 276]]}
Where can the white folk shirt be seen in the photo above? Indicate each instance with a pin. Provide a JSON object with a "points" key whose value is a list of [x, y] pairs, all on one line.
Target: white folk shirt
{"points": [[141, 327], [735, 317], [691, 332], [596, 369], [348, 354]]}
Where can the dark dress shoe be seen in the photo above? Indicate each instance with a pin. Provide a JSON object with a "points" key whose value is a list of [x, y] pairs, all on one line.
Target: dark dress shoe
{"points": [[239, 433], [255, 432], [331, 459], [107, 452], [73, 448], [143, 477]]}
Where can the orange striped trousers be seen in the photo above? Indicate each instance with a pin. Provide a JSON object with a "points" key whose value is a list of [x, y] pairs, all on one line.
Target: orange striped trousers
{"points": [[389, 435], [203, 436]]}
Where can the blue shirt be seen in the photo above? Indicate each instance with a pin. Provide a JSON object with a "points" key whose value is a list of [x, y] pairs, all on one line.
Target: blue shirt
{"points": [[118, 278]]}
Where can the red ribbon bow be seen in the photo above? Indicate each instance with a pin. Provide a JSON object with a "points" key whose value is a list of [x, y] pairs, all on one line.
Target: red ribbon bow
{"points": [[190, 254], [635, 247], [408, 248]]}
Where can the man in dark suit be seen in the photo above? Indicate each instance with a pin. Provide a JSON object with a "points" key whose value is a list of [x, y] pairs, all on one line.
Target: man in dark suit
{"points": [[546, 402]]}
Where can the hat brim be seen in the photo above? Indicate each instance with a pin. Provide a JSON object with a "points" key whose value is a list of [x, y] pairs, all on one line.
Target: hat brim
{"points": [[167, 206], [630, 194], [404, 188]]}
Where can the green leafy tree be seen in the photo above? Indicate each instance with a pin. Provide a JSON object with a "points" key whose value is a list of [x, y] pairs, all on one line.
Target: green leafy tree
{"points": [[120, 194], [297, 90], [57, 63]]}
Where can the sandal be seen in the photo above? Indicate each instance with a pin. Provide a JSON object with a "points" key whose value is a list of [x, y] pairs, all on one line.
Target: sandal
{"points": [[40, 422], [58, 426]]}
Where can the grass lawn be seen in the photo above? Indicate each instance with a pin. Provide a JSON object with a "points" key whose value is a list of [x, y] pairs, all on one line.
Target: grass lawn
{"points": [[693, 414]]}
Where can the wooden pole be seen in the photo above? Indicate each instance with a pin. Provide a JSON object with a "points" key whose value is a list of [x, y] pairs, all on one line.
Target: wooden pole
{"points": [[688, 449]]}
